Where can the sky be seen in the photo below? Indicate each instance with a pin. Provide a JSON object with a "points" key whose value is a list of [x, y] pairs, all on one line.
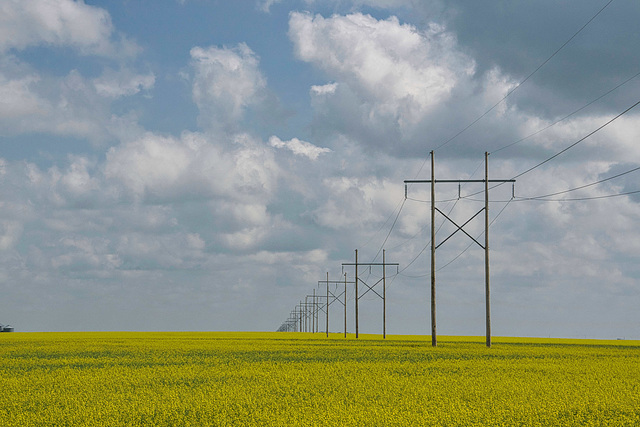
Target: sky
{"points": [[200, 165]]}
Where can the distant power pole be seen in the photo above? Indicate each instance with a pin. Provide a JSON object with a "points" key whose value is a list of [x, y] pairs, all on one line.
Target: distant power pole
{"points": [[384, 265], [433, 182], [327, 313], [345, 305], [331, 298]]}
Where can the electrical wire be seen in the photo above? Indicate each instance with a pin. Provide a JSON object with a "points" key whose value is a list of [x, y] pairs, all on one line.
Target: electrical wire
{"points": [[568, 115], [578, 141], [401, 205], [582, 199], [580, 187], [514, 143], [563, 150], [525, 79], [390, 230]]}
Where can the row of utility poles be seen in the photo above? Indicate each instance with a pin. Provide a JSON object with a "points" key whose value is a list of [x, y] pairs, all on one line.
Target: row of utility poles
{"points": [[304, 318]]}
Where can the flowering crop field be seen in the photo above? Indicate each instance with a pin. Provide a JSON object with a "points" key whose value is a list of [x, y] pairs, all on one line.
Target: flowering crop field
{"points": [[298, 379]]}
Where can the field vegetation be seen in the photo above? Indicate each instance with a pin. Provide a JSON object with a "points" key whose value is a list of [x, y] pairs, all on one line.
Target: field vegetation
{"points": [[297, 379]]}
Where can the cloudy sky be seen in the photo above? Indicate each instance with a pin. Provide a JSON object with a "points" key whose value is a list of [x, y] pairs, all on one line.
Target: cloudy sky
{"points": [[202, 164]]}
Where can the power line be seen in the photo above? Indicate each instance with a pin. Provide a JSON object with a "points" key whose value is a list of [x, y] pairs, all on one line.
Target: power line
{"points": [[580, 187], [390, 230], [525, 79], [581, 199], [562, 151], [401, 204], [578, 141], [568, 115]]}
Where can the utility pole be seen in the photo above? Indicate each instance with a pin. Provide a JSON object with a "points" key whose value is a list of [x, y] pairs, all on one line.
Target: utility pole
{"points": [[306, 314], [487, 297], [345, 305], [384, 265], [327, 314], [433, 182], [357, 329], [384, 297], [300, 312], [332, 300], [434, 340]]}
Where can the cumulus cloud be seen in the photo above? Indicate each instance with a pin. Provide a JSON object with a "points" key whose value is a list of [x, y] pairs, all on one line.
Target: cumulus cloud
{"points": [[71, 105], [298, 147], [66, 103], [380, 4], [328, 89], [265, 5], [125, 83], [67, 106], [236, 184], [158, 167], [59, 23], [17, 99], [227, 81], [396, 70], [355, 202]]}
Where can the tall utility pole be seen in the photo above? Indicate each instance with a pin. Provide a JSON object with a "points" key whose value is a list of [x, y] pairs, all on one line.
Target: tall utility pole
{"points": [[434, 340], [384, 297], [306, 314], [331, 298], [345, 305], [433, 182], [357, 328], [384, 265], [487, 298], [327, 313]]}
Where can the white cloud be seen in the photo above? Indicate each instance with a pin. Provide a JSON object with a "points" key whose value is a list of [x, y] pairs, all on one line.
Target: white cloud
{"points": [[327, 89], [59, 23], [117, 84], [265, 5], [237, 184], [157, 167], [32, 101], [17, 99], [68, 106], [356, 202], [395, 69], [227, 81], [381, 4], [10, 232], [298, 147]]}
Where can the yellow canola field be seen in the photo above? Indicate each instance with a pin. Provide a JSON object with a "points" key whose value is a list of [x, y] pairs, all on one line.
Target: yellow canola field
{"points": [[298, 379]]}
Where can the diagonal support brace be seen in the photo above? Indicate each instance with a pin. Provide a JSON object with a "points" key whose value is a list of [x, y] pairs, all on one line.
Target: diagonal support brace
{"points": [[460, 228]]}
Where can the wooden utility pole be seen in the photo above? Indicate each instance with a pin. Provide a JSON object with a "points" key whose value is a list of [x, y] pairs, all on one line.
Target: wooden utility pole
{"points": [[384, 265], [357, 329], [300, 329], [434, 340], [327, 304], [384, 297], [486, 248], [345, 305], [331, 298], [433, 182]]}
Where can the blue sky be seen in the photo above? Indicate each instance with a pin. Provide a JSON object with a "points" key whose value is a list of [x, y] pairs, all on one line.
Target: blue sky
{"points": [[202, 164]]}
